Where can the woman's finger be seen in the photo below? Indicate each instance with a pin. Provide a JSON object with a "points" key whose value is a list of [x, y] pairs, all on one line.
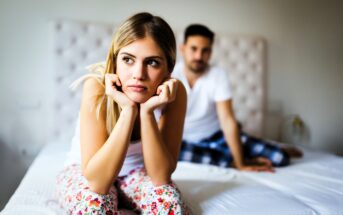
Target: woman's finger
{"points": [[113, 78], [165, 93], [112, 82], [172, 86]]}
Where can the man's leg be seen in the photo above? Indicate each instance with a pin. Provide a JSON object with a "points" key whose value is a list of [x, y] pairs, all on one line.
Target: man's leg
{"points": [[212, 150]]}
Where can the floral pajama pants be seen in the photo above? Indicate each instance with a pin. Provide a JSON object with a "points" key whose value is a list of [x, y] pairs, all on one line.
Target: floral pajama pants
{"points": [[134, 192]]}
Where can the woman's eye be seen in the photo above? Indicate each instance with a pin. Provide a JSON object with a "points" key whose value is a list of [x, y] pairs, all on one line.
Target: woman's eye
{"points": [[128, 60], [153, 63]]}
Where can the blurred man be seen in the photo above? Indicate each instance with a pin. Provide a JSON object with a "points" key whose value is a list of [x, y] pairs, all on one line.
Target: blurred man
{"points": [[211, 134]]}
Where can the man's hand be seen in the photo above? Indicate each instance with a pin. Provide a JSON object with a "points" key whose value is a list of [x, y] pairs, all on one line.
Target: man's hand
{"points": [[259, 164]]}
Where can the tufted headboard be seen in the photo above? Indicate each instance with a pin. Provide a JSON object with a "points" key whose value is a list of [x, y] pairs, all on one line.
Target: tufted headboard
{"points": [[78, 44]]}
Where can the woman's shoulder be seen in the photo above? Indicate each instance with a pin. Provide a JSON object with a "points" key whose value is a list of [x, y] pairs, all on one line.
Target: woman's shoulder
{"points": [[94, 71], [93, 90], [96, 67], [92, 84]]}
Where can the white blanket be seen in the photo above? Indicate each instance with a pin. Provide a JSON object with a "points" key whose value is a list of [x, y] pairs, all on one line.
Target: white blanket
{"points": [[311, 185]]}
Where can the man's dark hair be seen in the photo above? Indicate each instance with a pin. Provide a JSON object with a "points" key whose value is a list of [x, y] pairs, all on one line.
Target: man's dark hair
{"points": [[198, 30]]}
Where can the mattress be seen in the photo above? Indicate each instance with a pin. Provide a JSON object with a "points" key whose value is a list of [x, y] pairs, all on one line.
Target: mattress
{"points": [[311, 185]]}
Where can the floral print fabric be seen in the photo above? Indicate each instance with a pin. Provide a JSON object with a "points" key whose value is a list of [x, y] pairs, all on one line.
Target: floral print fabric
{"points": [[131, 194]]}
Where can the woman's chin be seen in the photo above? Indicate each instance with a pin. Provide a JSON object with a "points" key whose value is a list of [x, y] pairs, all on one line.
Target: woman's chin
{"points": [[138, 99]]}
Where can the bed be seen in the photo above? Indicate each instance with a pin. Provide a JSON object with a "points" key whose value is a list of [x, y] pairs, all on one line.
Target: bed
{"points": [[311, 185]]}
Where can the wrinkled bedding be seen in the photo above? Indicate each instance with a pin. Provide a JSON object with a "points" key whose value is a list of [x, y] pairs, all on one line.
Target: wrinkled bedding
{"points": [[311, 185]]}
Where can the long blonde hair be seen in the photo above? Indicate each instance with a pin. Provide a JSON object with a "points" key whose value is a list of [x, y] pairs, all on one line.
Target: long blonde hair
{"points": [[136, 27]]}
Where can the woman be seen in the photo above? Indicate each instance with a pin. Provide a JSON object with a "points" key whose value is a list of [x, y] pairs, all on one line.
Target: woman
{"points": [[130, 128]]}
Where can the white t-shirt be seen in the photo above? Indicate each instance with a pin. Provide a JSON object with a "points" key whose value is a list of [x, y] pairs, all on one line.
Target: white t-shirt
{"points": [[201, 118]]}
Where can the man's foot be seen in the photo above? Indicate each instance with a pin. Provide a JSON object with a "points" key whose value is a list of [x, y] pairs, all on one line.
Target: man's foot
{"points": [[292, 151]]}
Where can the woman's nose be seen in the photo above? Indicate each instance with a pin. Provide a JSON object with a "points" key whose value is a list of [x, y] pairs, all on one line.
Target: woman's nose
{"points": [[139, 71]]}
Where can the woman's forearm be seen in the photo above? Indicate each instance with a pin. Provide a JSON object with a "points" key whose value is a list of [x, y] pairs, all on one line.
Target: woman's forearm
{"points": [[105, 165], [158, 161]]}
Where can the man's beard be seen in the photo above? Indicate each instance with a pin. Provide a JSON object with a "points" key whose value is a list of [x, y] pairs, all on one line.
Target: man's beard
{"points": [[197, 66]]}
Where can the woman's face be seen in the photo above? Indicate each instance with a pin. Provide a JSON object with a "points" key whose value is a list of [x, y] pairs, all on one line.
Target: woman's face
{"points": [[141, 68]]}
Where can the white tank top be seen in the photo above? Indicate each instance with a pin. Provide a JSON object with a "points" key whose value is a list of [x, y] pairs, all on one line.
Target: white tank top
{"points": [[134, 155]]}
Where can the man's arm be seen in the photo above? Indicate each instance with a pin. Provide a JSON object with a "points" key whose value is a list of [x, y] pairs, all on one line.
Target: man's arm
{"points": [[230, 129]]}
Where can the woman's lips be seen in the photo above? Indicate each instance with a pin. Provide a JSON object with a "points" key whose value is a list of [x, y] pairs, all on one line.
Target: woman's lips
{"points": [[137, 88]]}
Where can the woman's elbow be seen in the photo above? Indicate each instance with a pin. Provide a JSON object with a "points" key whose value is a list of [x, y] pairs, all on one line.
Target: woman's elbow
{"points": [[161, 181], [98, 188], [96, 185], [164, 177]]}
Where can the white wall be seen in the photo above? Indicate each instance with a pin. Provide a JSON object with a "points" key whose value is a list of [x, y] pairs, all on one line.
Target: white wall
{"points": [[305, 52]]}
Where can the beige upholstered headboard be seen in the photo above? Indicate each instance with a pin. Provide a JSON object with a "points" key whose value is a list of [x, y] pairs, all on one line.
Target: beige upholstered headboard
{"points": [[77, 44]]}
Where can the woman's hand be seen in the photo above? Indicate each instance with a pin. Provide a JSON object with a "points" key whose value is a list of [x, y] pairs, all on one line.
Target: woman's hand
{"points": [[165, 93], [113, 86]]}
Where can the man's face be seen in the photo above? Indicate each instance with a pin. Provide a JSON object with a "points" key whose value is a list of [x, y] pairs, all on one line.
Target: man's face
{"points": [[196, 52]]}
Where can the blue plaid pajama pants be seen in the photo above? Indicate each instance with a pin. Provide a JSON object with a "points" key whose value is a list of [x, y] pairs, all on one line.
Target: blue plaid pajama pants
{"points": [[214, 150]]}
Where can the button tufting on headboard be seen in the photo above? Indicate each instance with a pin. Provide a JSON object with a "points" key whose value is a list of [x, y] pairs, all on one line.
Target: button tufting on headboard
{"points": [[78, 44]]}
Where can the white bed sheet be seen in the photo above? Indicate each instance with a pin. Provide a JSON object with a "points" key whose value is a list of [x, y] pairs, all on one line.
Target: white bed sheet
{"points": [[312, 185]]}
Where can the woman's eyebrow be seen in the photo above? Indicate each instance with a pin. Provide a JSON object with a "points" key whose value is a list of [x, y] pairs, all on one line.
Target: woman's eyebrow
{"points": [[126, 53], [154, 57], [149, 57]]}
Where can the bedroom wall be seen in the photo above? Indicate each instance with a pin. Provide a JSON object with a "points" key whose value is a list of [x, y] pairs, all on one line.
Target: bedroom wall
{"points": [[305, 52]]}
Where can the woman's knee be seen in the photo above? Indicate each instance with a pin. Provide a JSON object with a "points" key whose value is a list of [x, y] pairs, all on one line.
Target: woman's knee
{"points": [[94, 203], [75, 195], [164, 199]]}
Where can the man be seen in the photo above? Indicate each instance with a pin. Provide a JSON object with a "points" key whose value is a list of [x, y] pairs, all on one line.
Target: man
{"points": [[211, 132]]}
